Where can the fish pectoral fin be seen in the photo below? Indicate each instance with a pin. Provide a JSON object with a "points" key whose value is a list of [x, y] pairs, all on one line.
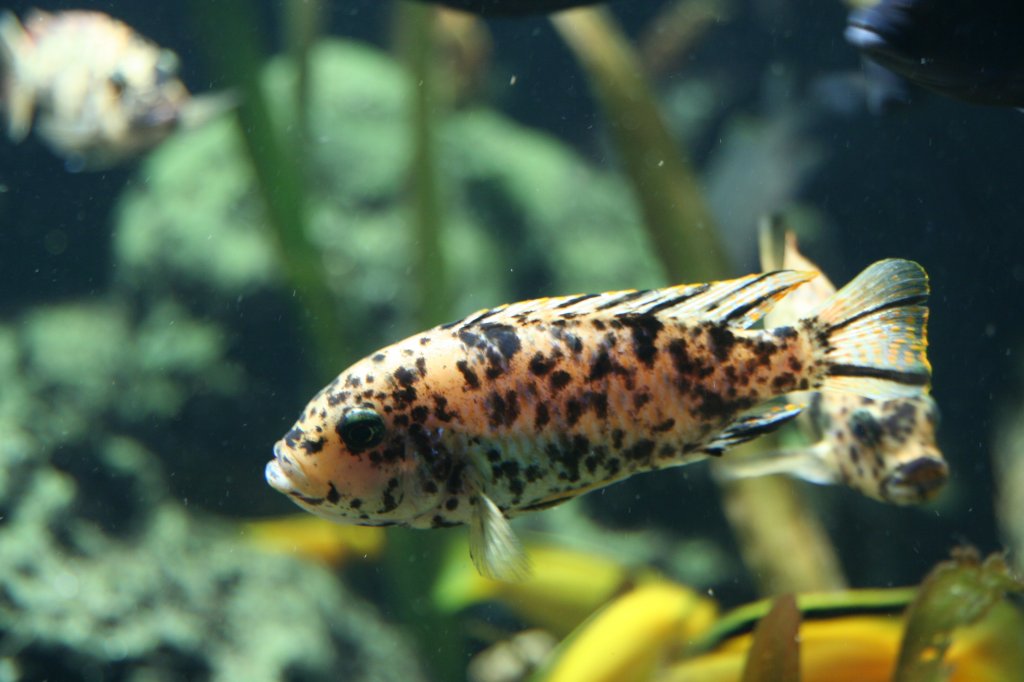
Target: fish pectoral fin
{"points": [[493, 545], [752, 425], [807, 464]]}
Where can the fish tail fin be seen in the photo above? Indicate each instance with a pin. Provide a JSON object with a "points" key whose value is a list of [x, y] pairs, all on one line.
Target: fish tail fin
{"points": [[873, 333], [18, 100]]}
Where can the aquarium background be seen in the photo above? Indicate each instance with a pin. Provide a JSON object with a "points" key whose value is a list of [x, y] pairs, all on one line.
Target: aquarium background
{"points": [[154, 345]]}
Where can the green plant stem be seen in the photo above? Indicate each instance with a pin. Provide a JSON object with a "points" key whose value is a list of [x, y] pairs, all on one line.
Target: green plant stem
{"points": [[417, 38], [678, 220], [413, 558], [232, 37]]}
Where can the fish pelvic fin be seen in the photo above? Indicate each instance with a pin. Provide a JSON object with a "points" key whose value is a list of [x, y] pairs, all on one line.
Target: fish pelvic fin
{"points": [[808, 464], [873, 333], [752, 425], [18, 98], [493, 545]]}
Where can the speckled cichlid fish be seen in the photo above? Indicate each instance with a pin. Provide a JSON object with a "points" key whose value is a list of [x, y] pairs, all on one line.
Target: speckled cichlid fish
{"points": [[526, 405]]}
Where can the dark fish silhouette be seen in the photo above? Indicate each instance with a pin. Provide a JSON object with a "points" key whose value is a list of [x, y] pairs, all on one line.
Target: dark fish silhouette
{"points": [[498, 8], [966, 49]]}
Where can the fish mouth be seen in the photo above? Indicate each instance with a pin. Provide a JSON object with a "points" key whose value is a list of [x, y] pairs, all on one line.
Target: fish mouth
{"points": [[916, 481], [283, 473]]}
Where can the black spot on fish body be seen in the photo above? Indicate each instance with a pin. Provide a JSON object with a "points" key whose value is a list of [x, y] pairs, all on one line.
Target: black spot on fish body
{"points": [[454, 482], [312, 446], [533, 473], [504, 338], [541, 416], [866, 428], [598, 402], [379, 357], [503, 410], [470, 339], [332, 494], [441, 412], [560, 380], [420, 413], [355, 503], [292, 438], [421, 366], [617, 436], [334, 399], [640, 451], [352, 381], [573, 410], [404, 396], [664, 426], [601, 366], [470, 377], [424, 340], [452, 504], [644, 330], [540, 365], [722, 341]]}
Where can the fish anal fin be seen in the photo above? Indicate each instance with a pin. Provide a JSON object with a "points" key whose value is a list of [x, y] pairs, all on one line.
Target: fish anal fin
{"points": [[493, 545], [807, 464], [752, 425]]}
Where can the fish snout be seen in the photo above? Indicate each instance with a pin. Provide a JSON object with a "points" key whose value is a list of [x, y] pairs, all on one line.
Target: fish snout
{"points": [[283, 473], [916, 481]]}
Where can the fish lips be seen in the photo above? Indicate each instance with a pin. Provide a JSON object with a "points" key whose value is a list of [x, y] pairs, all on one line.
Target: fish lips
{"points": [[283, 473], [916, 481]]}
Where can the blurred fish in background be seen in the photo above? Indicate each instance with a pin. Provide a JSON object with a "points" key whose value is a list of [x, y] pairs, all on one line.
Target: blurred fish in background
{"points": [[97, 92], [965, 49], [512, 7], [884, 449]]}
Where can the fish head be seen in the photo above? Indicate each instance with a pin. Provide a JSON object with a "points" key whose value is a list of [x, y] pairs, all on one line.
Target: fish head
{"points": [[917, 470], [899, 458], [353, 457]]}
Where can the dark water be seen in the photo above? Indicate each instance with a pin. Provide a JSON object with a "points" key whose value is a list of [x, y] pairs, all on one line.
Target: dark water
{"points": [[139, 420]]}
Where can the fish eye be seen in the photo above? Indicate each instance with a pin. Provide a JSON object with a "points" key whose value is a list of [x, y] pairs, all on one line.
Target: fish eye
{"points": [[119, 82], [361, 429], [167, 65]]}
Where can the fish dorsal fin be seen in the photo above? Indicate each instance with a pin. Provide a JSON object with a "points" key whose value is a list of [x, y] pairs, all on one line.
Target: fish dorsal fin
{"points": [[742, 302], [739, 302]]}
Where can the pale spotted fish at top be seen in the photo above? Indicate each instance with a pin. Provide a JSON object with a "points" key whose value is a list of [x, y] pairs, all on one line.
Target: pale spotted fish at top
{"points": [[523, 406], [884, 449]]}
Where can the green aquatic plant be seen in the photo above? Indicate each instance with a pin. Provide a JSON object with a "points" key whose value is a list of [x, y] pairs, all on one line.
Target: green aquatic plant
{"points": [[679, 223], [233, 39]]}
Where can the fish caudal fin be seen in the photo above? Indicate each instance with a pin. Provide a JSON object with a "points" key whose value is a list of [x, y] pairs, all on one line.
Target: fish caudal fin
{"points": [[873, 332], [493, 545]]}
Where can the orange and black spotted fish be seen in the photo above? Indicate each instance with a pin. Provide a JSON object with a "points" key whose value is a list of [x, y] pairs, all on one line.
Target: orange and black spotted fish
{"points": [[523, 406]]}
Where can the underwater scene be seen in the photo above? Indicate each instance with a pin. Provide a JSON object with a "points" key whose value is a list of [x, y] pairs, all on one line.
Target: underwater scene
{"points": [[512, 341]]}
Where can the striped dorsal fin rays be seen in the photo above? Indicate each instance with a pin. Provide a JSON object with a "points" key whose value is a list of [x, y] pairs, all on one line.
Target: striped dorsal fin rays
{"points": [[740, 302]]}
